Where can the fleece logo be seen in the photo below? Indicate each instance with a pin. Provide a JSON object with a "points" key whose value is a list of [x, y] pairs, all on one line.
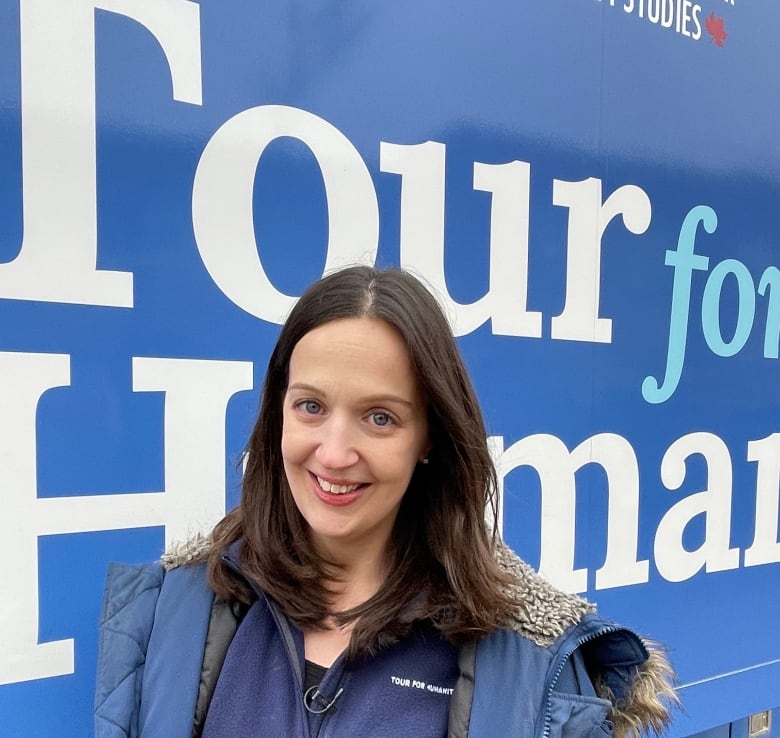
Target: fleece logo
{"points": [[417, 684], [684, 17]]}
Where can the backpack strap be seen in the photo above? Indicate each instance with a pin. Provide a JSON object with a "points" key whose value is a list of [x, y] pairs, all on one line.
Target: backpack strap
{"points": [[223, 623]]}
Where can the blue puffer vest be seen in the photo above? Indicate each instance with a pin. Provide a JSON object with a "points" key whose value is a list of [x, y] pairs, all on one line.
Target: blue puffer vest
{"points": [[163, 636]]}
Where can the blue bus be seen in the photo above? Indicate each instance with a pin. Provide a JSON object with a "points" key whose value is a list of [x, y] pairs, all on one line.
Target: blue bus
{"points": [[590, 187]]}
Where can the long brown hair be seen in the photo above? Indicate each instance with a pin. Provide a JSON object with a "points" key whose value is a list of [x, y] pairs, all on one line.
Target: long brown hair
{"points": [[444, 567]]}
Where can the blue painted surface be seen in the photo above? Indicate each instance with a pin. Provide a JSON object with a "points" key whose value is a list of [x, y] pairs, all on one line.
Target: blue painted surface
{"points": [[741, 728], [577, 88]]}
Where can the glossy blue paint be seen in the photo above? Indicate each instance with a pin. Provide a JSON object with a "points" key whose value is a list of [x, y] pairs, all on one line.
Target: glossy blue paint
{"points": [[579, 89]]}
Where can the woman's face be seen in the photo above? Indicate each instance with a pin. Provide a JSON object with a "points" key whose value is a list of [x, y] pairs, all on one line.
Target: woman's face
{"points": [[354, 427]]}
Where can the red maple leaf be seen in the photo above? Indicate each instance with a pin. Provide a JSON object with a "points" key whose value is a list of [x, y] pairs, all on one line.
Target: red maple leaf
{"points": [[716, 27]]}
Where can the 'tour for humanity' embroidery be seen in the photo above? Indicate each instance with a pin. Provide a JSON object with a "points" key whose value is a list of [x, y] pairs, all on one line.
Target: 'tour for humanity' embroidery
{"points": [[417, 684]]}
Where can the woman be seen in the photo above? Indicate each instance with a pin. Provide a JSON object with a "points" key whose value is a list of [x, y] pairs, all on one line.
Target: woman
{"points": [[356, 590]]}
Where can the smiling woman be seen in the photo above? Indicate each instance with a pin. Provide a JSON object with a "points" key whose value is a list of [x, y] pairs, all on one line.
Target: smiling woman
{"points": [[353, 430], [356, 590]]}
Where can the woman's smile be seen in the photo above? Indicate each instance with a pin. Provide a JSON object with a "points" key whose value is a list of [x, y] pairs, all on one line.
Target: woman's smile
{"points": [[337, 493]]}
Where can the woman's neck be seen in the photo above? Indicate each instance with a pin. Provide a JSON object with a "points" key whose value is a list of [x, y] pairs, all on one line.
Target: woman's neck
{"points": [[360, 574], [357, 579]]}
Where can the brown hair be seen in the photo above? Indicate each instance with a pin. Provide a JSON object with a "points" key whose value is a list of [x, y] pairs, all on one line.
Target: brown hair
{"points": [[444, 567]]}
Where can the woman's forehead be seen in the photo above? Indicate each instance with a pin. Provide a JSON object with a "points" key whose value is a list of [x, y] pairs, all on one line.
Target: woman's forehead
{"points": [[353, 355]]}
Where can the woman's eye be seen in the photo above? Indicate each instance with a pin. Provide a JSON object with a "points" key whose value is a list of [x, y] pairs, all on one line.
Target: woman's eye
{"points": [[310, 407], [381, 419]]}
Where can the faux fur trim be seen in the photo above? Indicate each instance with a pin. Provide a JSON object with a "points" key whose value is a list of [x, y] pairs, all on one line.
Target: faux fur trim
{"points": [[191, 551], [543, 612], [647, 707]]}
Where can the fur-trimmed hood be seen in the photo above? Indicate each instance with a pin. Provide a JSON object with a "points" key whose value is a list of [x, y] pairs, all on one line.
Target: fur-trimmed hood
{"points": [[543, 614]]}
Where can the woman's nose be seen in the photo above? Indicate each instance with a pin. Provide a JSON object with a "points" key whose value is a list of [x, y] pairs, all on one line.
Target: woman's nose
{"points": [[336, 448]]}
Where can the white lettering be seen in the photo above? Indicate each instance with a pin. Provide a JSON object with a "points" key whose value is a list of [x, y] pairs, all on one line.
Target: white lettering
{"points": [[674, 561], [510, 186], [766, 546], [686, 17], [23, 380], [422, 168], [667, 13], [588, 219], [222, 203], [58, 258], [556, 467], [196, 396]]}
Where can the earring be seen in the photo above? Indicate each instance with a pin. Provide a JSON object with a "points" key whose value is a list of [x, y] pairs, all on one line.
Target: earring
{"points": [[424, 461]]}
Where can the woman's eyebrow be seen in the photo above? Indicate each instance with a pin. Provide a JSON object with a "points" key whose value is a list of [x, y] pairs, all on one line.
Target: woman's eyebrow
{"points": [[370, 399], [380, 399], [305, 387]]}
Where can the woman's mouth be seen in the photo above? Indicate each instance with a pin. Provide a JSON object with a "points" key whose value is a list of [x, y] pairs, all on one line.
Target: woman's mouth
{"points": [[337, 493]]}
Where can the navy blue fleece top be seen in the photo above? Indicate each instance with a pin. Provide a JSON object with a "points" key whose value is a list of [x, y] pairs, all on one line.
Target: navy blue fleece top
{"points": [[403, 690]]}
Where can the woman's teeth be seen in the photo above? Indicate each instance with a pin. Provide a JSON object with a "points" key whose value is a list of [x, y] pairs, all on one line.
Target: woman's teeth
{"points": [[336, 489]]}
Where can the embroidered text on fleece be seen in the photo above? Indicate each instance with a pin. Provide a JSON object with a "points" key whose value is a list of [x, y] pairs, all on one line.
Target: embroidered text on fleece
{"points": [[403, 690]]}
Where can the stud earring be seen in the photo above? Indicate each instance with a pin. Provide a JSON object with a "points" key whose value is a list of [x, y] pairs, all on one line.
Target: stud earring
{"points": [[424, 461]]}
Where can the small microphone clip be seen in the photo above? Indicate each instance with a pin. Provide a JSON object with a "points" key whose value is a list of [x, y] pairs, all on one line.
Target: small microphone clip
{"points": [[313, 697]]}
